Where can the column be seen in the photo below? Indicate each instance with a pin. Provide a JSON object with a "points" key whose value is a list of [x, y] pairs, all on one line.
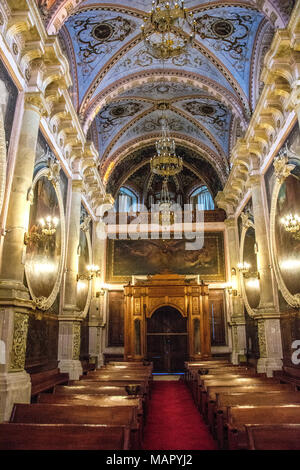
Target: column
{"points": [[70, 320], [98, 308], [237, 323], [15, 303], [269, 333]]}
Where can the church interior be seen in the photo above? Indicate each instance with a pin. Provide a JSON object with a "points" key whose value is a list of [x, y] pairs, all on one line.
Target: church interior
{"points": [[150, 225]]}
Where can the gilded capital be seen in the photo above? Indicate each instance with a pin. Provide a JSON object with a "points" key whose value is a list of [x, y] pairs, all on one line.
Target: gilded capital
{"points": [[77, 186], [35, 102], [282, 169], [230, 222]]}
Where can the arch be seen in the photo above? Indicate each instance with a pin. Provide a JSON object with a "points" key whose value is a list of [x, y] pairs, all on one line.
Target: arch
{"points": [[63, 9], [220, 167], [3, 164], [175, 307], [198, 81]]}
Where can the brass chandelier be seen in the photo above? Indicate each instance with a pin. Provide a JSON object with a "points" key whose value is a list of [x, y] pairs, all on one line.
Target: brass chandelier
{"points": [[166, 163], [165, 29], [291, 224]]}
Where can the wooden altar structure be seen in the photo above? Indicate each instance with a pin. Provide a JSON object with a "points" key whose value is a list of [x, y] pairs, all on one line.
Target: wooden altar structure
{"points": [[185, 295]]}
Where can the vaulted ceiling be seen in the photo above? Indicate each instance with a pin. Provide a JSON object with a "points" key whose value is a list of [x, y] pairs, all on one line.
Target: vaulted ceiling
{"points": [[209, 93]]}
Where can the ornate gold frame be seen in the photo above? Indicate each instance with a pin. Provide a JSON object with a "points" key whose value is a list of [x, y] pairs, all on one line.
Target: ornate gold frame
{"points": [[85, 228], [282, 170], [52, 174], [247, 223]]}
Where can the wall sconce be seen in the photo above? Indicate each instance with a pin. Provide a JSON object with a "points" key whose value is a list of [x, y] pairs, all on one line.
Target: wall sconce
{"points": [[232, 291], [291, 224], [45, 230], [93, 271], [233, 272], [244, 267]]}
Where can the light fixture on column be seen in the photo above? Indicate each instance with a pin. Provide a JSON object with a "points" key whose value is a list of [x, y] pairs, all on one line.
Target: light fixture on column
{"points": [[291, 224], [165, 28], [92, 271], [232, 289], [43, 232]]}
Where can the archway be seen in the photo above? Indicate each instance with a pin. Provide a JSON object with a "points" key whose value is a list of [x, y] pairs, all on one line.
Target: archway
{"points": [[167, 340]]}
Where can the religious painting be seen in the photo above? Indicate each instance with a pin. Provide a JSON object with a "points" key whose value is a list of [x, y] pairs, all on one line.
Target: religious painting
{"points": [[252, 288], [288, 243], [43, 252], [128, 258]]}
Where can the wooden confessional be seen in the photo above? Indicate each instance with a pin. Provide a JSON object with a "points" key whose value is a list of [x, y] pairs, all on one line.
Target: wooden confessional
{"points": [[166, 317]]}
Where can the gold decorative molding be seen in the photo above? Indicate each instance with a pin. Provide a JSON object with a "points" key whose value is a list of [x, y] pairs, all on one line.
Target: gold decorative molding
{"points": [[76, 340], [262, 338], [18, 351], [283, 171], [282, 168]]}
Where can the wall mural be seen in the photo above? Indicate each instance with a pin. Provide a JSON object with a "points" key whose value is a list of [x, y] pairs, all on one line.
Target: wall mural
{"points": [[128, 258]]}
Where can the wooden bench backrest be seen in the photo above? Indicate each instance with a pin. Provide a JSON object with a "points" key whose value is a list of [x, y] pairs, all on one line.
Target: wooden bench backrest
{"points": [[95, 400], [260, 398], [238, 416], [273, 437], [72, 414], [213, 390], [63, 437], [238, 381], [90, 389]]}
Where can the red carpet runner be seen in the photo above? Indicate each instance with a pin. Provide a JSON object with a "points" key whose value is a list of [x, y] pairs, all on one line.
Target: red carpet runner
{"points": [[173, 421]]}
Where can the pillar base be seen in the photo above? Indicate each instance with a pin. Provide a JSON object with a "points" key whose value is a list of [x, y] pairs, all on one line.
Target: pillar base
{"points": [[72, 367], [15, 387], [268, 365]]}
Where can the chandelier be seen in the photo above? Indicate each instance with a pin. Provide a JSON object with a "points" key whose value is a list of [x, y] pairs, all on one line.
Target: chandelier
{"points": [[43, 232], [291, 224], [165, 163], [160, 31]]}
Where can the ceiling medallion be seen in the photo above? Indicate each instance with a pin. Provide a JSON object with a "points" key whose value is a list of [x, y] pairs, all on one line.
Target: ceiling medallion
{"points": [[165, 163], [164, 31]]}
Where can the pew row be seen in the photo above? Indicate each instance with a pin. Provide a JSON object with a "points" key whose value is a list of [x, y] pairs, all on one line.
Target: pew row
{"points": [[273, 436]]}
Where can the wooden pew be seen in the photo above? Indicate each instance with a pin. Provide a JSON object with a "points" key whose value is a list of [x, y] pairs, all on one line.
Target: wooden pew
{"points": [[95, 400], [212, 391], [201, 380], [46, 380], [239, 416], [229, 382], [80, 414], [27, 436], [95, 387], [265, 397], [273, 436]]}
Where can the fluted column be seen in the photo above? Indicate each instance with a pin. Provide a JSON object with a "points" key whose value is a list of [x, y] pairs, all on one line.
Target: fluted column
{"points": [[70, 320], [269, 332], [15, 385], [237, 323]]}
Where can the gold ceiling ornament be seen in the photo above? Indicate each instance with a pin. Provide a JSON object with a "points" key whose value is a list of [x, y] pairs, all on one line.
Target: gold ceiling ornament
{"points": [[166, 163], [165, 29]]}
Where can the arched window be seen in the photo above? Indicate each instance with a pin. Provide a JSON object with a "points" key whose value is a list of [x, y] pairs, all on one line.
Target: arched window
{"points": [[126, 201], [202, 199]]}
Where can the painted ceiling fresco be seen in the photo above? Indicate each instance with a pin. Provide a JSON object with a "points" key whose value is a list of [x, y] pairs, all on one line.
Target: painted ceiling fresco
{"points": [[209, 92]]}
